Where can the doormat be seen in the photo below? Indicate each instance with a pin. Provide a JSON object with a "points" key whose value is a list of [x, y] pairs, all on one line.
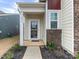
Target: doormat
{"points": [[35, 40]]}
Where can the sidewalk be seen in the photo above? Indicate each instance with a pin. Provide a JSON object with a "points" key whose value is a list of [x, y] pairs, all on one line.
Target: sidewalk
{"points": [[32, 52]]}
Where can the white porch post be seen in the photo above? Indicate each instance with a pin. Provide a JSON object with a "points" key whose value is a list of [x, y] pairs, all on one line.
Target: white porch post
{"points": [[21, 30], [46, 22]]}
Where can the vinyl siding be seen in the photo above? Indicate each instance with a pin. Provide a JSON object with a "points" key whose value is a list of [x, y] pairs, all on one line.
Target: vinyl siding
{"points": [[67, 26]]}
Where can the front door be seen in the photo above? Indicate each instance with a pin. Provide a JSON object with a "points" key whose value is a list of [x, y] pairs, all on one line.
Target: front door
{"points": [[34, 29]]}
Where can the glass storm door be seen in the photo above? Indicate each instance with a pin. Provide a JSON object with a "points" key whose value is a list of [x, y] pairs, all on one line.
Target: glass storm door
{"points": [[34, 29]]}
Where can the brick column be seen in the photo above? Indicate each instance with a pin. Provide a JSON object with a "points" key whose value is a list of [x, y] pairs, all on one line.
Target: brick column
{"points": [[76, 26], [55, 36]]}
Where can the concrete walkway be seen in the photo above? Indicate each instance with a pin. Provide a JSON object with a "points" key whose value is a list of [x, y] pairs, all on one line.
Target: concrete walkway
{"points": [[6, 44], [32, 52]]}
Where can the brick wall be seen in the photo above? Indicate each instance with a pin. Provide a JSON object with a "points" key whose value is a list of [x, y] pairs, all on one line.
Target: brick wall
{"points": [[76, 25], [55, 36]]}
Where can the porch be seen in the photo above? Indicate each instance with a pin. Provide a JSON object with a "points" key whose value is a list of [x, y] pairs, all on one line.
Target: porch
{"points": [[34, 28], [32, 24], [33, 43]]}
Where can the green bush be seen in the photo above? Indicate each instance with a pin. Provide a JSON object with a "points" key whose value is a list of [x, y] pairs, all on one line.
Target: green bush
{"points": [[77, 56], [17, 46], [51, 45]]}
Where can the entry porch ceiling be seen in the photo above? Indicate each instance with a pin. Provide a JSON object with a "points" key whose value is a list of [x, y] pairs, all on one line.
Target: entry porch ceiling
{"points": [[33, 13], [32, 7]]}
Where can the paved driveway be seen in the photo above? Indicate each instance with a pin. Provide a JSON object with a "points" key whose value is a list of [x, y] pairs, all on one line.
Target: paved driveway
{"points": [[7, 43]]}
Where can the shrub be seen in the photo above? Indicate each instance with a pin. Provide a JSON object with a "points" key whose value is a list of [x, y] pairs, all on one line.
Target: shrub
{"points": [[17, 48], [77, 56], [51, 45]]}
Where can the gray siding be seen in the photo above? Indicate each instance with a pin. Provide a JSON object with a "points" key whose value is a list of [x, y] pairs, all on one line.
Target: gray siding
{"points": [[9, 25]]}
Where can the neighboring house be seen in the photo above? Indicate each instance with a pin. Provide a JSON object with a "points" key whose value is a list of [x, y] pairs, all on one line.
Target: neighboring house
{"points": [[50, 20], [9, 25], [1, 12]]}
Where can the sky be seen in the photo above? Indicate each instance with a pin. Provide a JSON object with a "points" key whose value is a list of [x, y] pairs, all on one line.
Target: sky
{"points": [[9, 6]]}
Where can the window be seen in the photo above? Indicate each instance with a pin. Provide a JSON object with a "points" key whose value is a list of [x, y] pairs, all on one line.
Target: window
{"points": [[53, 20], [34, 28], [53, 24]]}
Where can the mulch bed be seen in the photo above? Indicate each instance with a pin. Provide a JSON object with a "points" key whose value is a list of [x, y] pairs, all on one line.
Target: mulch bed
{"points": [[55, 54], [15, 53]]}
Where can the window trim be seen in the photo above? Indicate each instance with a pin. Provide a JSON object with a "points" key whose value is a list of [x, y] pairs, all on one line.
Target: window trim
{"points": [[58, 13]]}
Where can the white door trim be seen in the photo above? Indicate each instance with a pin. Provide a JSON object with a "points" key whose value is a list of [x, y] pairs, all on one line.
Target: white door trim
{"points": [[38, 31]]}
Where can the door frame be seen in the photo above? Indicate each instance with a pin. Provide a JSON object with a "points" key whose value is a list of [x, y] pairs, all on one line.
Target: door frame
{"points": [[38, 31]]}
